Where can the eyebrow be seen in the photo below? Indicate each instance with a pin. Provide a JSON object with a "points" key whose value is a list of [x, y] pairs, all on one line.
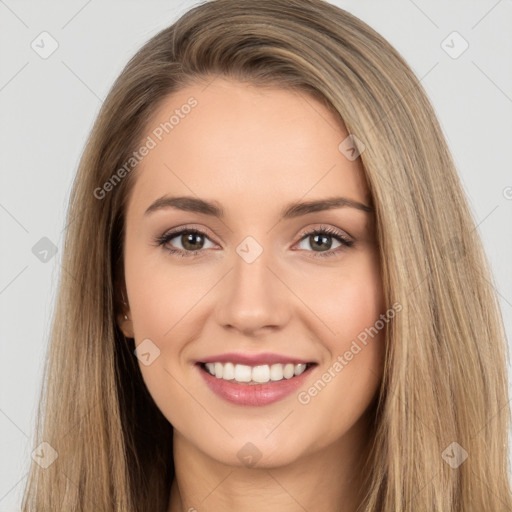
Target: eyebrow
{"points": [[292, 210]]}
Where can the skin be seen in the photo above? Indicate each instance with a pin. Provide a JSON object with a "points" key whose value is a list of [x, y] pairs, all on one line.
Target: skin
{"points": [[253, 151]]}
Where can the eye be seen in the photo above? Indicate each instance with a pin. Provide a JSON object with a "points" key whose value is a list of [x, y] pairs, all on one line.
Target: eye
{"points": [[322, 237], [191, 241]]}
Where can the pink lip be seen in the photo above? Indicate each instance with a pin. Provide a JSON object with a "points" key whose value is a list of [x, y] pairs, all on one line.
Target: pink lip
{"points": [[253, 394], [253, 359]]}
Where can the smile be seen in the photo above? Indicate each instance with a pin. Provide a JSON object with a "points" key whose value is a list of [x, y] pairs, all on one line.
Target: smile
{"points": [[259, 385]]}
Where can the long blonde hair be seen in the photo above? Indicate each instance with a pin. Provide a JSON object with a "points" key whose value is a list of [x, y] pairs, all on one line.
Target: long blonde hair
{"points": [[445, 377]]}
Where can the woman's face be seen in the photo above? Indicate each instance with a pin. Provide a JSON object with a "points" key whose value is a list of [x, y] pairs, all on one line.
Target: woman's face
{"points": [[259, 285]]}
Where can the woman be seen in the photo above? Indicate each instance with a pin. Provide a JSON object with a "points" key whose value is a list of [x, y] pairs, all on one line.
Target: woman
{"points": [[206, 351]]}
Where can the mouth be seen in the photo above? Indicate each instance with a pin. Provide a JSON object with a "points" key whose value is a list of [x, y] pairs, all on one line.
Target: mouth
{"points": [[257, 374]]}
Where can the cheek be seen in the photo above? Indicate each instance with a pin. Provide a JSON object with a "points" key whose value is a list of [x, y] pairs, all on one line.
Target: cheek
{"points": [[351, 308], [162, 303], [346, 300], [162, 294], [359, 304]]}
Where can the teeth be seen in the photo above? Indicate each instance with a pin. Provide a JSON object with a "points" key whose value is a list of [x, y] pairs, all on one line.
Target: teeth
{"points": [[255, 374], [276, 372], [300, 368], [228, 371], [242, 372], [219, 370], [288, 371]]}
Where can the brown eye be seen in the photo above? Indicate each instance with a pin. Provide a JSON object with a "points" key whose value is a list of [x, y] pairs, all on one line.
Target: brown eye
{"points": [[191, 241], [320, 241], [186, 242]]}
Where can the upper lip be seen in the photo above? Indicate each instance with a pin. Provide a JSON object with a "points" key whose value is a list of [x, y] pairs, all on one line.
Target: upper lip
{"points": [[253, 359]]}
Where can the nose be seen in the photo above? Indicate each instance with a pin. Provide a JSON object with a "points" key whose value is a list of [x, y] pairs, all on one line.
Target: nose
{"points": [[253, 298]]}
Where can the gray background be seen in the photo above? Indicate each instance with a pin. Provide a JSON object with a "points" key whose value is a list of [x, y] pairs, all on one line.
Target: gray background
{"points": [[48, 107]]}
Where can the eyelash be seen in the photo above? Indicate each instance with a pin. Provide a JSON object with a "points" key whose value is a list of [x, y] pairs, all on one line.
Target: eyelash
{"points": [[323, 230]]}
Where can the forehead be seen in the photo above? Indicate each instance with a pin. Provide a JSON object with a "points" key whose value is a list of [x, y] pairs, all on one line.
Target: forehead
{"points": [[246, 147]]}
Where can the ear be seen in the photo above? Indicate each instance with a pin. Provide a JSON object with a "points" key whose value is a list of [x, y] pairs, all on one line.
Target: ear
{"points": [[125, 324], [123, 316]]}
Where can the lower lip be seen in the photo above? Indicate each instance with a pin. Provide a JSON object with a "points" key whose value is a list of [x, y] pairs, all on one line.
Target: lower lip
{"points": [[253, 394]]}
